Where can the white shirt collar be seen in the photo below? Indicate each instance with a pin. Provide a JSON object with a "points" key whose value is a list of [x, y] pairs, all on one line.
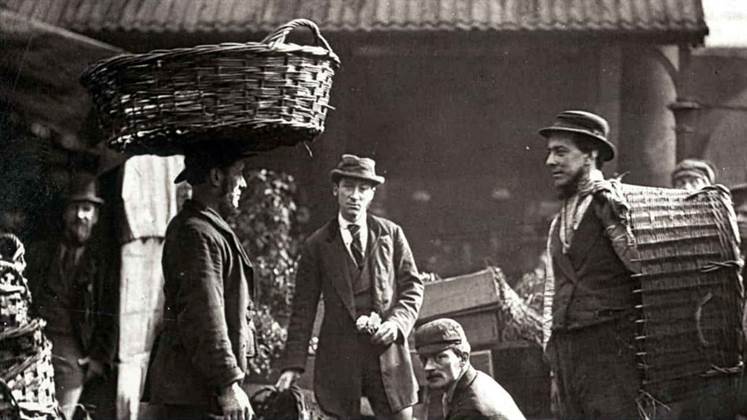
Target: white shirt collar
{"points": [[344, 223]]}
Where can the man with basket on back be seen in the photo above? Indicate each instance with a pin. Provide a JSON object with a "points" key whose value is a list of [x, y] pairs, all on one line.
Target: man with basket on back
{"points": [[589, 304]]}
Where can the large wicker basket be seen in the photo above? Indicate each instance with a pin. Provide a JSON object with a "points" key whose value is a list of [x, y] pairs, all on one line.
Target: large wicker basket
{"points": [[26, 373], [690, 289], [261, 94]]}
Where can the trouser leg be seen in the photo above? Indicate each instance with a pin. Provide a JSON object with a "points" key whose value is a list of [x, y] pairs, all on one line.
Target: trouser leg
{"points": [[69, 377]]}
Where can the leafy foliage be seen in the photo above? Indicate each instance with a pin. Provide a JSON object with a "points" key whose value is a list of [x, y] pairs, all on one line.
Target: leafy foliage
{"points": [[266, 225]]}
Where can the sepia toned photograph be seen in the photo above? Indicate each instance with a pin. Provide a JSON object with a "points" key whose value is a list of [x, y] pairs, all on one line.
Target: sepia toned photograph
{"points": [[373, 209]]}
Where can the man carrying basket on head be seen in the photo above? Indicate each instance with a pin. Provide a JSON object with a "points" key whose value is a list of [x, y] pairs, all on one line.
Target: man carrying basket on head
{"points": [[201, 357]]}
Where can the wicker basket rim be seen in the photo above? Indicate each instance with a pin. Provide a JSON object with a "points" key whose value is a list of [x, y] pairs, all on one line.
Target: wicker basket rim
{"points": [[256, 48]]}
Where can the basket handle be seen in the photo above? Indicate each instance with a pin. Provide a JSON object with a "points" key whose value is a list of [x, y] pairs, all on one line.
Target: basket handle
{"points": [[279, 34]]}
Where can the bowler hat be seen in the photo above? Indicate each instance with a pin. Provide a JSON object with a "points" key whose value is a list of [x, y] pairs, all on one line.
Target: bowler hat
{"points": [[586, 123], [739, 194], [201, 157], [695, 168], [439, 335], [83, 187], [356, 167]]}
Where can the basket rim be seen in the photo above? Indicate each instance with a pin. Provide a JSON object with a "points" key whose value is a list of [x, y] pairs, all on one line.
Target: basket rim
{"points": [[256, 48]]}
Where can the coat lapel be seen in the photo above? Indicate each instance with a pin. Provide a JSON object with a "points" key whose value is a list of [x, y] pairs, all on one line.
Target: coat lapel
{"points": [[340, 278]]}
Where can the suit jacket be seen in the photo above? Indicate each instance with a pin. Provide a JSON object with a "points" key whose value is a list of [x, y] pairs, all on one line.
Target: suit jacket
{"points": [[397, 291], [478, 396], [94, 296], [207, 333]]}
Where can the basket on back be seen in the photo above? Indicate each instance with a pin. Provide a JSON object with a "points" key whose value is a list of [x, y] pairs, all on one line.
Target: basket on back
{"points": [[261, 94], [690, 288]]}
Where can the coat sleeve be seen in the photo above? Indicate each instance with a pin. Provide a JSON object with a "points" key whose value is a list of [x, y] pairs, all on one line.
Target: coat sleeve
{"points": [[305, 301], [200, 305], [409, 290]]}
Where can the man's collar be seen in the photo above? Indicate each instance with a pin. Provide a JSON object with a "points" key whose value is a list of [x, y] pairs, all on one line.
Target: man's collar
{"points": [[464, 379], [343, 223]]}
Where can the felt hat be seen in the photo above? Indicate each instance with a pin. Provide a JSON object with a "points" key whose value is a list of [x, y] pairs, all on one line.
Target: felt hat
{"points": [[694, 168], [83, 187], [586, 123], [200, 158], [438, 335], [353, 166]]}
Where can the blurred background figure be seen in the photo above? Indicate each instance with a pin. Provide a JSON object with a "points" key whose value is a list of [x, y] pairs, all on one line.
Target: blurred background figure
{"points": [[693, 174], [76, 295]]}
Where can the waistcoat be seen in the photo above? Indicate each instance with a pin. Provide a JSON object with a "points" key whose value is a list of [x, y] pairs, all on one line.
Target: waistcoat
{"points": [[592, 285]]}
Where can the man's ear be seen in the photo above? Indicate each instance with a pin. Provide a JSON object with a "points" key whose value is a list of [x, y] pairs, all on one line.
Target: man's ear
{"points": [[593, 155], [335, 189], [215, 177]]}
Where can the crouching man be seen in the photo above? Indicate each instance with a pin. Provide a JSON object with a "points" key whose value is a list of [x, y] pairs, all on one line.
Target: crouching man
{"points": [[468, 393]]}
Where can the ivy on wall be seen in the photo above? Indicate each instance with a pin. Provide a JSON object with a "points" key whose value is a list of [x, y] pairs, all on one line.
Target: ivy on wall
{"points": [[267, 227]]}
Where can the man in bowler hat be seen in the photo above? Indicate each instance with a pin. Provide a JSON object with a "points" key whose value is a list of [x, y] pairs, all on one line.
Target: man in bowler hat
{"points": [[468, 393], [200, 361], [75, 292], [363, 266], [589, 303]]}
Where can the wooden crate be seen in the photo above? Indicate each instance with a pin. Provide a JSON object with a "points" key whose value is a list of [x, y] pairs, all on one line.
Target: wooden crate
{"points": [[459, 293]]}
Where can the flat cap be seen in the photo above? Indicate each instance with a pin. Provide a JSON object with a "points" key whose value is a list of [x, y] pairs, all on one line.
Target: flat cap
{"points": [[438, 335], [697, 168]]}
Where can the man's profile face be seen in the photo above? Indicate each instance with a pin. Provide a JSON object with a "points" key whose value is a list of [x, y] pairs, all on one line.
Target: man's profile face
{"points": [[566, 161], [690, 183], [353, 197], [442, 368], [741, 211], [232, 186], [80, 217]]}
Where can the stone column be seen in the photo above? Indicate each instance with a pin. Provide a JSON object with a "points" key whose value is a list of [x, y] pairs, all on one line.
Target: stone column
{"points": [[647, 141]]}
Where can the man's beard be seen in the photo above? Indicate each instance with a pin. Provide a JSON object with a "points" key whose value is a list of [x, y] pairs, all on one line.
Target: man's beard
{"points": [[78, 233], [569, 189], [225, 204]]}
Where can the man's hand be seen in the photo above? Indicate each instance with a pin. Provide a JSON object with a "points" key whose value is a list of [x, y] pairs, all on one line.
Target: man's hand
{"points": [[287, 378], [94, 368], [386, 334], [235, 403], [554, 397]]}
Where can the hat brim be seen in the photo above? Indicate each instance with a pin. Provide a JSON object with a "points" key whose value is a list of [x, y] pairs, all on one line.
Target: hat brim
{"points": [[608, 152], [183, 174], [82, 197], [336, 174]]}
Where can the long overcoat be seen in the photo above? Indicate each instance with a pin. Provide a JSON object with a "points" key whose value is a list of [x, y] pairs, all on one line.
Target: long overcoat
{"points": [[207, 334], [397, 291]]}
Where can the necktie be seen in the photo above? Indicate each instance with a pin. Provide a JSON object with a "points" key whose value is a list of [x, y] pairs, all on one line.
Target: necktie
{"points": [[355, 246]]}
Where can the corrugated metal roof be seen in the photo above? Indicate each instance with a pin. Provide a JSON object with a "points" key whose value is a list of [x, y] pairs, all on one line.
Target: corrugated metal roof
{"points": [[683, 17]]}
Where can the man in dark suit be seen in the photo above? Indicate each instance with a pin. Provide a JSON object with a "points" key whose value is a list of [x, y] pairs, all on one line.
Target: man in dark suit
{"points": [[75, 292], [201, 357], [364, 268], [468, 393]]}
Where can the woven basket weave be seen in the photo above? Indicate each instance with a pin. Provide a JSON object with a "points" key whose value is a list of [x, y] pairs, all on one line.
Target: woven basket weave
{"points": [[261, 94], [26, 371], [690, 288]]}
